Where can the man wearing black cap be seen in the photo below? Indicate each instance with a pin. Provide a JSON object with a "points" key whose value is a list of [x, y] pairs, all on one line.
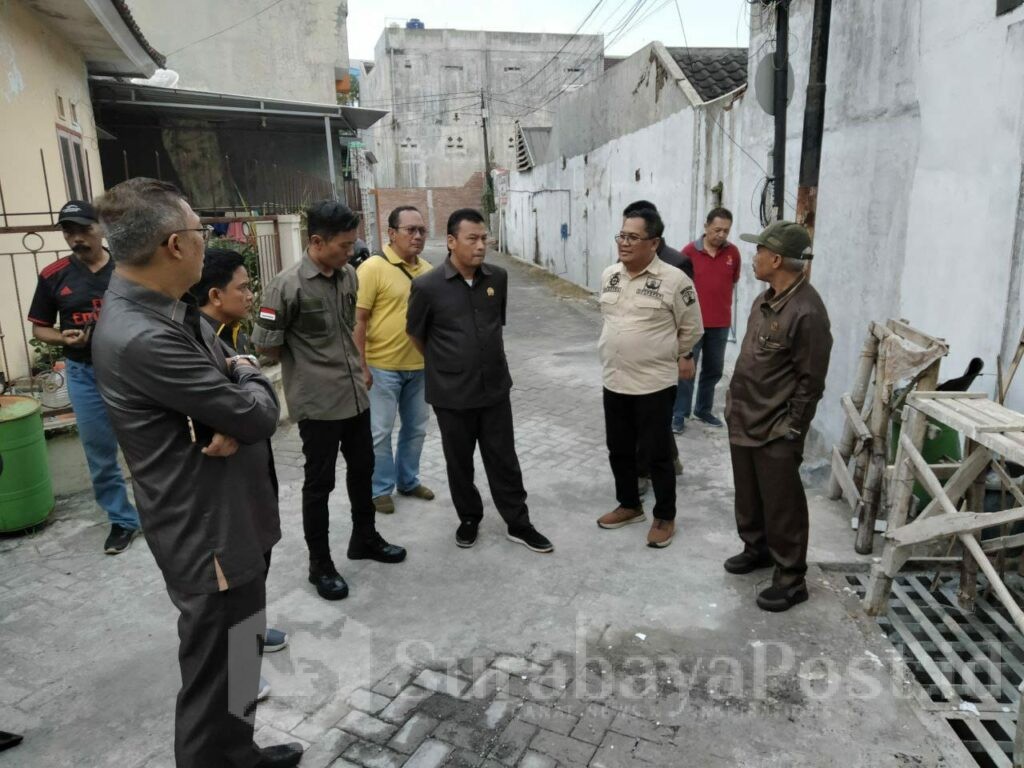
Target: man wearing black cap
{"points": [[72, 288], [775, 389]]}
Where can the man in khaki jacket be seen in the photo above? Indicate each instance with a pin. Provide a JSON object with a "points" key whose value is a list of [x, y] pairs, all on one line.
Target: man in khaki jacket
{"points": [[651, 324]]}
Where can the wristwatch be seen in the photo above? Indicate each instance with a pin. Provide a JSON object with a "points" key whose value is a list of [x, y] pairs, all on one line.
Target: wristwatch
{"points": [[250, 359]]}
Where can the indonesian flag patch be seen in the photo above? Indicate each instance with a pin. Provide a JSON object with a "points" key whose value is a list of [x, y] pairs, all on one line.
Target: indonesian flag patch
{"points": [[266, 313]]}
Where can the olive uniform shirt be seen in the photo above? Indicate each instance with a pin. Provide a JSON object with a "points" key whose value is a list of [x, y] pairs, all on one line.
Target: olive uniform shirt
{"points": [[650, 321], [781, 368], [311, 317]]}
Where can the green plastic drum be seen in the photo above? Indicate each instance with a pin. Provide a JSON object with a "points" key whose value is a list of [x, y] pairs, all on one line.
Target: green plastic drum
{"points": [[26, 493]]}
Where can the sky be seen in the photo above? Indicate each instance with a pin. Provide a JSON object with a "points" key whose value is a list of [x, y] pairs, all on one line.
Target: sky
{"points": [[705, 22]]}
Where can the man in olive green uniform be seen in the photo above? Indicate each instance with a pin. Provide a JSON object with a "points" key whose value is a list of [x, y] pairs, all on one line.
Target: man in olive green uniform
{"points": [[775, 389]]}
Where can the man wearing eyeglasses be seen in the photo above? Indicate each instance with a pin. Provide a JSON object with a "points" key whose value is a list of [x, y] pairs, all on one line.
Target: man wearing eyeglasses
{"points": [[651, 324], [395, 365], [72, 288], [195, 425]]}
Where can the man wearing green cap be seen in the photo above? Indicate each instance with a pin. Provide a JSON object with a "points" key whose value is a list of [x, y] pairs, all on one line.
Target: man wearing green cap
{"points": [[775, 389]]}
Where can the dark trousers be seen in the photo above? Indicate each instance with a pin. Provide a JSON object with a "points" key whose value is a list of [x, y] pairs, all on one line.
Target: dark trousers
{"points": [[321, 441], [642, 424], [709, 352], [491, 427], [220, 645], [771, 506]]}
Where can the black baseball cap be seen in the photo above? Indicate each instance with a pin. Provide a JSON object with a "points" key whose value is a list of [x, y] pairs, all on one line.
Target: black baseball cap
{"points": [[77, 212]]}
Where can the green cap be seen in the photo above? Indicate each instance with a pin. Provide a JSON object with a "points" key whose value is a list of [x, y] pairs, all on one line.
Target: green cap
{"points": [[785, 238]]}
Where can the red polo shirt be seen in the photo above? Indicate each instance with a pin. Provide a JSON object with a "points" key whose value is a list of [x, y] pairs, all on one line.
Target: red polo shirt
{"points": [[714, 277]]}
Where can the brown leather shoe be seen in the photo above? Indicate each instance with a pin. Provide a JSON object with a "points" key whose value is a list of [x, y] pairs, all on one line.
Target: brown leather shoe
{"points": [[661, 533], [419, 492], [384, 505], [621, 516]]}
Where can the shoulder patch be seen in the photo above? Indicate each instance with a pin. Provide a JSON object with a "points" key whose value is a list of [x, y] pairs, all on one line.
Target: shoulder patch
{"points": [[689, 296], [52, 269]]}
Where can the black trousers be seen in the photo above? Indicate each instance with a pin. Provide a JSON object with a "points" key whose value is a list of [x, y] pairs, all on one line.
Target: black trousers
{"points": [[642, 424], [771, 506], [219, 652], [491, 427], [321, 441]]}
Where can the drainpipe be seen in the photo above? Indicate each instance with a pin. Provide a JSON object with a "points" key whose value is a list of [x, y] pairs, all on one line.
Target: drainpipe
{"points": [[814, 118], [781, 94]]}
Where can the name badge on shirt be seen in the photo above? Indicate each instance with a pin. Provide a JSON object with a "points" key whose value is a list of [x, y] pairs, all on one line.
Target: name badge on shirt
{"points": [[490, 292]]}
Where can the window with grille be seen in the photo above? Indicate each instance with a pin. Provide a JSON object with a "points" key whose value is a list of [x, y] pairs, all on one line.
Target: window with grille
{"points": [[72, 159]]}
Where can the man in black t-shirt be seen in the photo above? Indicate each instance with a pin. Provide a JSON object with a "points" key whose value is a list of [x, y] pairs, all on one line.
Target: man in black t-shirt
{"points": [[71, 289]]}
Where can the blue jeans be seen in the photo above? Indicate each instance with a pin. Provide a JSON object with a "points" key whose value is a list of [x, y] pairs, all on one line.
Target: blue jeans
{"points": [[397, 393], [100, 446], [712, 345]]}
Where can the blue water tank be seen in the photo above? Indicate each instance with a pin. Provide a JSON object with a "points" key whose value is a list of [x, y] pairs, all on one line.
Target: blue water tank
{"points": [[415, 24]]}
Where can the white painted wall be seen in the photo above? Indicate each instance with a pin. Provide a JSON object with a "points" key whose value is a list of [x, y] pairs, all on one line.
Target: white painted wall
{"points": [[921, 196]]}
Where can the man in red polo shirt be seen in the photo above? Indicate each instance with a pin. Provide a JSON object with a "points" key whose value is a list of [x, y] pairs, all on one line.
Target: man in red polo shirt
{"points": [[716, 268]]}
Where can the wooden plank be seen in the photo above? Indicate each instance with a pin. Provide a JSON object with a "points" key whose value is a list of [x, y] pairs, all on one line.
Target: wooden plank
{"points": [[1003, 543], [941, 395], [1008, 689], [905, 330], [1007, 650], [880, 332], [977, 688], [842, 476], [957, 485], [860, 429], [983, 737], [924, 659], [996, 584], [941, 526], [1008, 483], [997, 428]]}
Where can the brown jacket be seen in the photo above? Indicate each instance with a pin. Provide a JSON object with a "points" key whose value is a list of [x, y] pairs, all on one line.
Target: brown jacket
{"points": [[780, 371]]}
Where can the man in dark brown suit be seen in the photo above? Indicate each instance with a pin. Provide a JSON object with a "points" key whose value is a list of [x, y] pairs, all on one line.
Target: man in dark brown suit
{"points": [[775, 389]]}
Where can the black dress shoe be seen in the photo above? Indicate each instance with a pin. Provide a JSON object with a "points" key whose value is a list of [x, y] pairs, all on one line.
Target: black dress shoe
{"points": [[280, 756], [328, 582], [746, 562], [778, 599], [374, 547], [465, 536]]}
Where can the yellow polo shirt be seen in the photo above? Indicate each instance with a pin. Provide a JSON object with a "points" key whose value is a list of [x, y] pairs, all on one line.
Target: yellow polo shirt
{"points": [[384, 290]]}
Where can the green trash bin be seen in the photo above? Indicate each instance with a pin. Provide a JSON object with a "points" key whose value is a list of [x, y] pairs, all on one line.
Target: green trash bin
{"points": [[26, 493], [941, 446]]}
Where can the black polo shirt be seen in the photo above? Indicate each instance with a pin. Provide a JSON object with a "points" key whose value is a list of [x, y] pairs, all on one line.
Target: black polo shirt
{"points": [[460, 327], [69, 289]]}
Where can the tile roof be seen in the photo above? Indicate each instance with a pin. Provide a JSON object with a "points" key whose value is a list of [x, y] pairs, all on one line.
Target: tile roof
{"points": [[713, 72], [126, 15]]}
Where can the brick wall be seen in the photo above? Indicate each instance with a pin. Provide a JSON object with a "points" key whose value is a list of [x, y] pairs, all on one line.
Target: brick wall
{"points": [[436, 204]]}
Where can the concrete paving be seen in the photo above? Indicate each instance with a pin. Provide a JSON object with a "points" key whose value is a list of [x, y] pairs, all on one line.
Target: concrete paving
{"points": [[603, 654]]}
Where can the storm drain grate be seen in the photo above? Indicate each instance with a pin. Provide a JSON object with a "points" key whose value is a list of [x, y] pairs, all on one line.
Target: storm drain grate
{"points": [[961, 660]]}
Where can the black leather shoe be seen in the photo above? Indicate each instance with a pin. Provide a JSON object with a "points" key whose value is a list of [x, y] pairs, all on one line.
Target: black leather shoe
{"points": [[746, 562], [778, 599], [328, 582], [465, 536], [280, 756], [375, 548]]}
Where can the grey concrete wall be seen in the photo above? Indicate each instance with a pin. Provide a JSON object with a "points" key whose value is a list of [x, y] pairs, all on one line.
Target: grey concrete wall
{"points": [[921, 196], [431, 81], [290, 51]]}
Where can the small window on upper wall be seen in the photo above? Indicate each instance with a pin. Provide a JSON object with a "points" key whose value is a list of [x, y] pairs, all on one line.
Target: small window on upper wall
{"points": [[72, 160], [60, 106], [74, 112], [1005, 6]]}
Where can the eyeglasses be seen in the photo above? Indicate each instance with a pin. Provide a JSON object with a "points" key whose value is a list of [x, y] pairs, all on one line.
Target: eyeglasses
{"points": [[413, 230], [629, 238], [206, 229]]}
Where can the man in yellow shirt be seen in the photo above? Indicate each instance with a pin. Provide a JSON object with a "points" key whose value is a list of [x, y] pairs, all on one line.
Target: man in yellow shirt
{"points": [[396, 367]]}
